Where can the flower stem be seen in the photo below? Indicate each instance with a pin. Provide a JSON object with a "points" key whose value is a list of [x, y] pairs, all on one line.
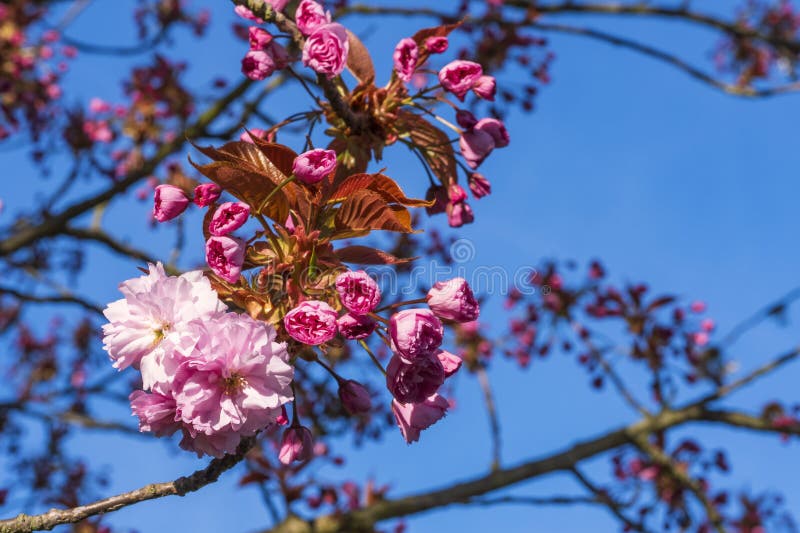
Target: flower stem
{"points": [[401, 304], [282, 184], [372, 356]]}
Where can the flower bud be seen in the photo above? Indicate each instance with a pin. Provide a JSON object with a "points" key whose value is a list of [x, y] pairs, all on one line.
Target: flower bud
{"points": [[412, 418], [313, 322], [459, 214], [206, 194], [355, 327], [228, 217], [225, 256], [453, 300], [297, 445], [309, 15], [479, 185], [326, 49], [358, 292], [485, 87], [413, 382], [450, 362], [476, 145], [436, 45], [415, 333], [169, 202], [460, 76], [405, 58], [313, 166], [355, 397], [496, 129]]}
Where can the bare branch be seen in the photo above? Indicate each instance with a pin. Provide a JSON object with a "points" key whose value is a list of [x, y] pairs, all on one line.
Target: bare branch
{"points": [[491, 411], [54, 299], [181, 486], [55, 224]]}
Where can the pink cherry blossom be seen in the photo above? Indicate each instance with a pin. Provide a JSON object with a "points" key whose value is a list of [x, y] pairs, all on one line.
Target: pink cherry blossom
{"points": [[405, 58], [235, 377], [154, 307], [476, 145], [450, 362], [206, 194], [312, 322], [225, 256], [156, 413], [309, 16], [168, 202], [413, 418], [453, 300], [415, 333], [355, 397], [326, 49], [436, 45], [460, 76], [358, 292], [229, 217], [355, 327], [413, 382], [479, 185], [485, 87], [297, 445], [496, 129], [314, 165]]}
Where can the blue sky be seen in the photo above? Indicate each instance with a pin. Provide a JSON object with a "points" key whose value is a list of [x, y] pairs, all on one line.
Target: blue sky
{"points": [[625, 159]]}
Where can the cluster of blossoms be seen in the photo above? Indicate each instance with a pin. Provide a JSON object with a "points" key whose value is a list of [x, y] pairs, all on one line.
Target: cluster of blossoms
{"points": [[418, 367], [225, 253], [214, 375], [30, 68], [477, 138], [325, 48]]}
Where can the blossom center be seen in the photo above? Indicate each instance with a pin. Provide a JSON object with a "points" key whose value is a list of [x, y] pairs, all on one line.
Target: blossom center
{"points": [[233, 384]]}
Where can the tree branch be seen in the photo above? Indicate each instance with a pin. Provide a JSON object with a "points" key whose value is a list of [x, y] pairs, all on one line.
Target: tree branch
{"points": [[56, 223], [181, 486]]}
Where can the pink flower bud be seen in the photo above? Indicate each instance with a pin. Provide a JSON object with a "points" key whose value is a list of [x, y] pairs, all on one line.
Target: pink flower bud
{"points": [[456, 193], [297, 445], [169, 202], [707, 325], [313, 166], [260, 64], [496, 129], [450, 362], [415, 333], [97, 105], [225, 256], [326, 49], [259, 38], [698, 307], [453, 300], [459, 214], [438, 194], [206, 194], [358, 292], [413, 418], [476, 145], [312, 322], [436, 45], [479, 185], [355, 327], [355, 397], [413, 382], [466, 119], [229, 217], [405, 58], [309, 16], [460, 76], [485, 87]]}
